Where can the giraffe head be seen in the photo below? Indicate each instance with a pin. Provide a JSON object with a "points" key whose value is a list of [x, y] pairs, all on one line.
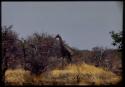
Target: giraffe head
{"points": [[57, 36]]}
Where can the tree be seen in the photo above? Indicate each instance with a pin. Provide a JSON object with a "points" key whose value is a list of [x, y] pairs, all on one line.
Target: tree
{"points": [[117, 39], [9, 48]]}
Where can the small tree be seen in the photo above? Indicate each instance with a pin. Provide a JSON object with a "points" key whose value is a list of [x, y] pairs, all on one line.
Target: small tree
{"points": [[117, 41], [99, 54]]}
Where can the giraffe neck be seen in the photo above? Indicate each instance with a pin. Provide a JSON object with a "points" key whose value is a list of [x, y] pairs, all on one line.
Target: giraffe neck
{"points": [[61, 41]]}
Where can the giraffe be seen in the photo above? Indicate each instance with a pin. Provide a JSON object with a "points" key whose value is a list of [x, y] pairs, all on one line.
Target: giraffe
{"points": [[64, 52]]}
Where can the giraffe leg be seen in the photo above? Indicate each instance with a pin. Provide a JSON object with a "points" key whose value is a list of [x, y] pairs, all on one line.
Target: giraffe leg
{"points": [[62, 62]]}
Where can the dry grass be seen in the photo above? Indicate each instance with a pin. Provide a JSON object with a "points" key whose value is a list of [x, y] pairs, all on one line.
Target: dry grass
{"points": [[80, 74], [16, 77]]}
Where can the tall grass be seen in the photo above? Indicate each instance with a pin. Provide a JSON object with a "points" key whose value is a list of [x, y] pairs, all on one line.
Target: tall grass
{"points": [[75, 74]]}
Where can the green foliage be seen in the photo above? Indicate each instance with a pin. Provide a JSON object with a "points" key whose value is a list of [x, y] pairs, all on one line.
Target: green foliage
{"points": [[117, 39]]}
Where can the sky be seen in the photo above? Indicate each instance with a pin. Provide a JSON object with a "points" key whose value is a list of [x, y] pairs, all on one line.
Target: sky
{"points": [[82, 24]]}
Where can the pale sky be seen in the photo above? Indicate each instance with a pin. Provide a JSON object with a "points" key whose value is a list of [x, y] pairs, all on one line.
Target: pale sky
{"points": [[83, 25]]}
